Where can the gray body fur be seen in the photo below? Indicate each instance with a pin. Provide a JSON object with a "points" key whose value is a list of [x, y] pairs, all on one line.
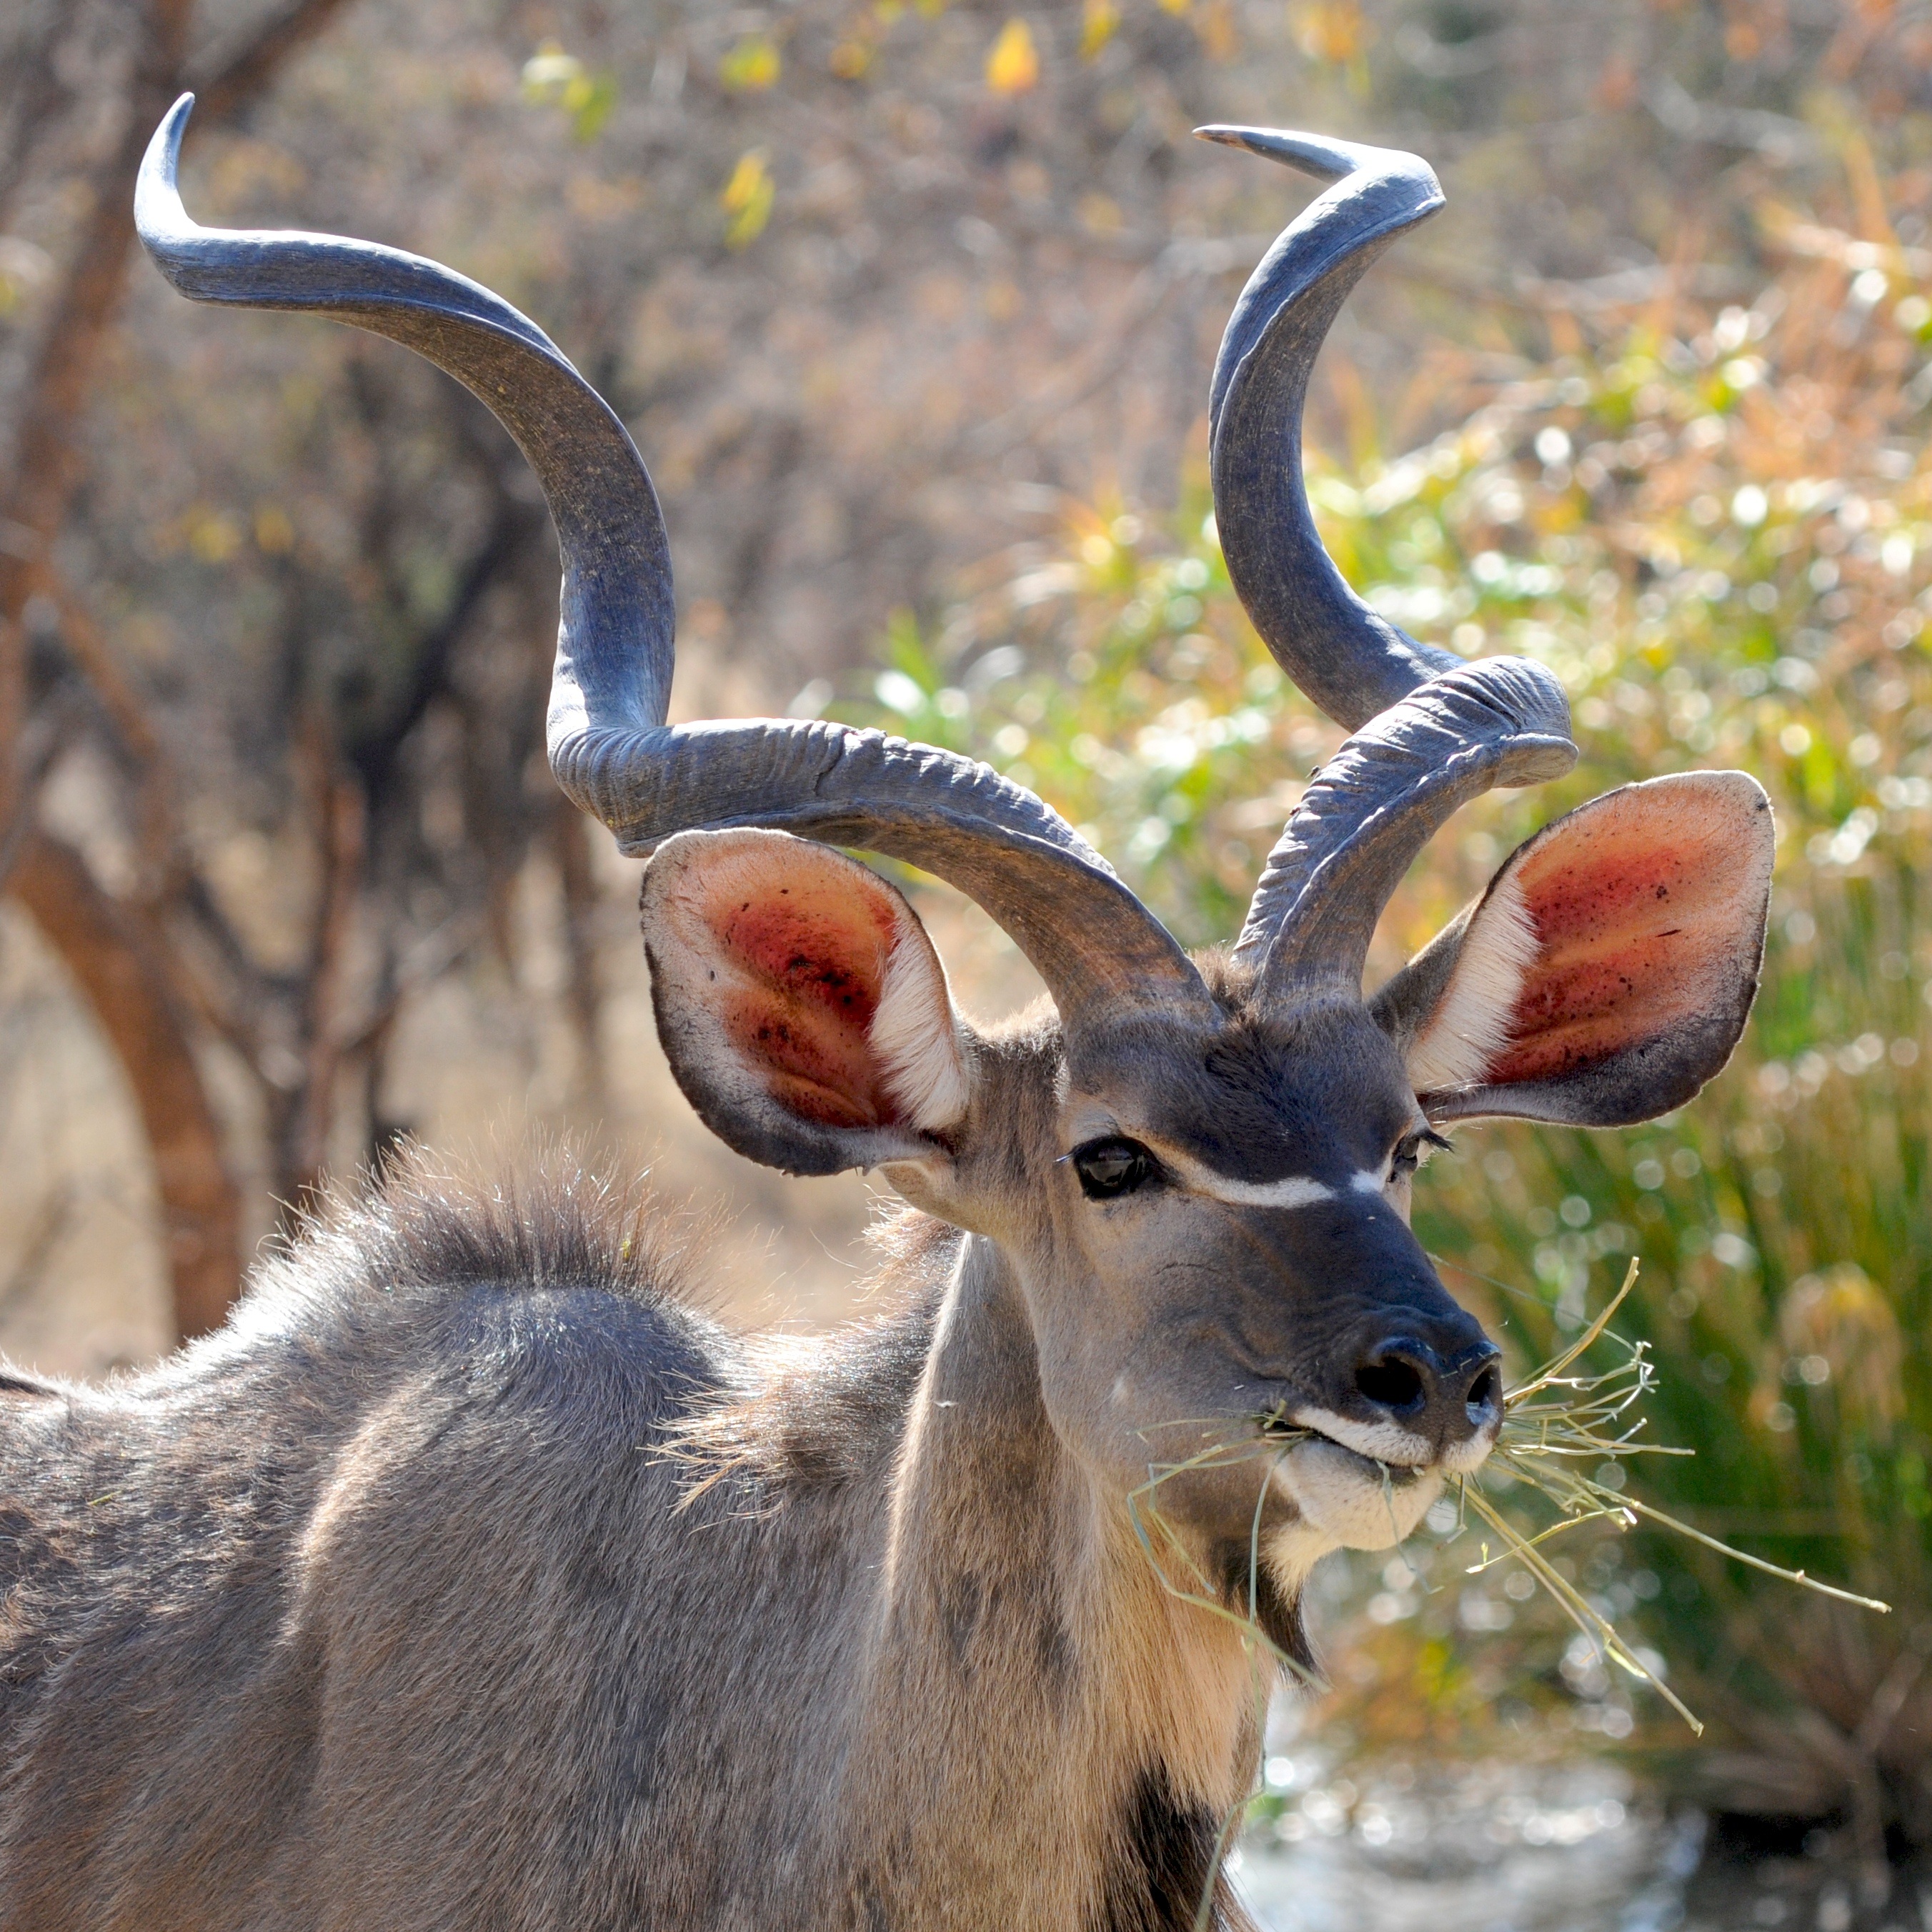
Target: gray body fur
{"points": [[376, 1609]]}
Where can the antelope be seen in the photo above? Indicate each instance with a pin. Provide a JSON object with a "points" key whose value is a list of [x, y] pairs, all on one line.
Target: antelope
{"points": [[471, 1576]]}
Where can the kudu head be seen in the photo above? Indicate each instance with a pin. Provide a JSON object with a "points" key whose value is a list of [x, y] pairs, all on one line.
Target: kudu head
{"points": [[1196, 1174]]}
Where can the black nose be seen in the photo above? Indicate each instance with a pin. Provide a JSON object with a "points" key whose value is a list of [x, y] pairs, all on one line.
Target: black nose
{"points": [[1448, 1400]]}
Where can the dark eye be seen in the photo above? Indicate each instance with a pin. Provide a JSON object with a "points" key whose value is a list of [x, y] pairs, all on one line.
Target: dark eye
{"points": [[1111, 1168], [1408, 1152]]}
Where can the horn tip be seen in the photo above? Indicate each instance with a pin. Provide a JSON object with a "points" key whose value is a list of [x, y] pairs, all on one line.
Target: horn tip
{"points": [[1312, 154], [160, 221], [158, 166], [174, 125]]}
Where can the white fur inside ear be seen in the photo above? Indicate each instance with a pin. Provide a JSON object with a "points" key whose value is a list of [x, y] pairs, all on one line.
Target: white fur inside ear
{"points": [[913, 1036], [1471, 1024]]}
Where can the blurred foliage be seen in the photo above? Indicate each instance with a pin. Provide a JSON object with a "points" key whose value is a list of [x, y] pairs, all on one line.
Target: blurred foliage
{"points": [[1713, 522], [554, 79], [751, 66]]}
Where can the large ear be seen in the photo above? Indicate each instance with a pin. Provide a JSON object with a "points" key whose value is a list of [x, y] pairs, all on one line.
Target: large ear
{"points": [[803, 1010], [1608, 971]]}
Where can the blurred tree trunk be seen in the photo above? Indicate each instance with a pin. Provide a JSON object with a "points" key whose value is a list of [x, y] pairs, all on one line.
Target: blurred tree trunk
{"points": [[116, 955], [47, 453], [30, 92], [570, 837], [301, 1149]]}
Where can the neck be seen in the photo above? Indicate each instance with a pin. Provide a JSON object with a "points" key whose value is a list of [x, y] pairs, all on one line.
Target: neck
{"points": [[1040, 1725]]}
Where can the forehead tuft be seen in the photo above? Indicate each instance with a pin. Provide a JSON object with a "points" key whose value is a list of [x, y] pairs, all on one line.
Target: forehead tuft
{"points": [[1231, 984], [1263, 1092]]}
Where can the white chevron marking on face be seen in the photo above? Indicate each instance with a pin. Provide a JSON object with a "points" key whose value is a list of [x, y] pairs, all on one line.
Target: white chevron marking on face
{"points": [[1297, 1190], [1367, 1182]]}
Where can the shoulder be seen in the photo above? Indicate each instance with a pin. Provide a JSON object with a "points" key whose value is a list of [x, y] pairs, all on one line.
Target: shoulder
{"points": [[498, 1277]]}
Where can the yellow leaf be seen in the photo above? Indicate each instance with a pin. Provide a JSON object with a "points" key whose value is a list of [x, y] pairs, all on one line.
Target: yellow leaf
{"points": [[554, 79], [213, 535], [751, 66], [1098, 20], [549, 71], [588, 102], [1013, 65], [747, 200], [1332, 30]]}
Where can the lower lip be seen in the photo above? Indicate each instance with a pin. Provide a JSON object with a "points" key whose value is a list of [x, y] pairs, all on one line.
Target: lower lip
{"points": [[1351, 1500]]}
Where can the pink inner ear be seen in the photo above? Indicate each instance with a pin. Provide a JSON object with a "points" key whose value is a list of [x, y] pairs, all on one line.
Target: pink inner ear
{"points": [[811, 954], [1644, 910]]}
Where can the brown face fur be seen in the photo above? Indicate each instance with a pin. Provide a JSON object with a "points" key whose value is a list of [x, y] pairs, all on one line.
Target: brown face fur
{"points": [[1171, 1318]]}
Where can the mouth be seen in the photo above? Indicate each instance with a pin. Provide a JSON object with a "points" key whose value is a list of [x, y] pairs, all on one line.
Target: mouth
{"points": [[1386, 1442], [1353, 1501], [1362, 1486]]}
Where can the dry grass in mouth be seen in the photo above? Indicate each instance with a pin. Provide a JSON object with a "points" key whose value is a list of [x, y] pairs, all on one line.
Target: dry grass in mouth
{"points": [[1563, 1419]]}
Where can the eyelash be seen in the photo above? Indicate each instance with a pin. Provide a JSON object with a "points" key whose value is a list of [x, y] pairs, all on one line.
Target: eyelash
{"points": [[1408, 1151]]}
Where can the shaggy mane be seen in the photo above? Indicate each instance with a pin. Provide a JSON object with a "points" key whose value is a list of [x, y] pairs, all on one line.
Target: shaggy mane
{"points": [[538, 1221], [787, 1410]]}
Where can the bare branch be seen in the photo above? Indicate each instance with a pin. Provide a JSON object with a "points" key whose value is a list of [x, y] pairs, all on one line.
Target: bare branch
{"points": [[233, 1012], [156, 818], [46, 452], [114, 953], [50, 1221], [569, 831], [233, 85], [31, 90], [89, 650], [39, 745], [340, 817], [427, 961]]}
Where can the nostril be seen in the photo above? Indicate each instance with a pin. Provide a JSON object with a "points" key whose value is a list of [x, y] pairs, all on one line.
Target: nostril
{"points": [[1486, 1397], [1391, 1382]]}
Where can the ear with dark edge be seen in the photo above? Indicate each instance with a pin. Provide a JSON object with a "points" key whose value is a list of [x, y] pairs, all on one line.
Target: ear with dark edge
{"points": [[802, 1008], [1607, 972]]}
